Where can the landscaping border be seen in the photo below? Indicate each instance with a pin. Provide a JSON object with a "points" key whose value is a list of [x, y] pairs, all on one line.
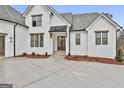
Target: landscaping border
{"points": [[93, 59], [34, 56]]}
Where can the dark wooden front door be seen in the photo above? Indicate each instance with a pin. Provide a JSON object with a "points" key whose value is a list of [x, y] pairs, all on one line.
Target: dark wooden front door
{"points": [[61, 42]]}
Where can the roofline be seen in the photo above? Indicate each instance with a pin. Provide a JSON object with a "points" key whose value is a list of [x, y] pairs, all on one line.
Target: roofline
{"points": [[15, 10], [56, 31], [14, 22], [112, 20], [58, 13], [92, 22], [78, 30], [48, 8], [109, 19], [26, 10]]}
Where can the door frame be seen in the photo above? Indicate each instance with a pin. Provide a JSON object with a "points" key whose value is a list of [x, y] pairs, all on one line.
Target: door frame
{"points": [[3, 36], [62, 41]]}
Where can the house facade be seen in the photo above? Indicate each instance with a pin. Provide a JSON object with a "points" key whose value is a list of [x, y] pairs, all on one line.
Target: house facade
{"points": [[41, 29]]}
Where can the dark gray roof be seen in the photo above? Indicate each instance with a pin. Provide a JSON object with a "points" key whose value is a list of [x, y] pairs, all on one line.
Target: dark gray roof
{"points": [[80, 21], [58, 29], [67, 16], [10, 14]]}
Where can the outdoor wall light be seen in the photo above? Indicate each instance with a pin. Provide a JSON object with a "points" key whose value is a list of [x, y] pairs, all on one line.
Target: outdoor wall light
{"points": [[60, 37], [51, 14]]}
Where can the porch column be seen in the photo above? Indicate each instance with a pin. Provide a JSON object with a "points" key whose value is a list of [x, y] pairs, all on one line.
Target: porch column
{"points": [[51, 40], [67, 41]]}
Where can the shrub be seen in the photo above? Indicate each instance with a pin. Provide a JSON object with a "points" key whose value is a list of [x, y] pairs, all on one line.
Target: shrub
{"points": [[24, 54], [119, 56], [33, 53], [46, 54]]}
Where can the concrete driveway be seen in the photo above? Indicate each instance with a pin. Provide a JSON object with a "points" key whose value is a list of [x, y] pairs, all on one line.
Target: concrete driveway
{"points": [[57, 72]]}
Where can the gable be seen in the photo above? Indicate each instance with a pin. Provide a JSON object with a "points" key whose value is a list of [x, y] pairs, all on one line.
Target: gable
{"points": [[108, 20], [37, 10], [56, 21], [55, 15], [103, 24]]}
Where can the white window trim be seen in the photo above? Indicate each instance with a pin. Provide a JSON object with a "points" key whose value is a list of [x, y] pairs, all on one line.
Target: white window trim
{"points": [[101, 37], [76, 39], [37, 20], [38, 40]]}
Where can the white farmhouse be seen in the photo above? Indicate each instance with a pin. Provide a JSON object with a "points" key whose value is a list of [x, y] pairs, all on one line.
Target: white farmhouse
{"points": [[41, 29]]}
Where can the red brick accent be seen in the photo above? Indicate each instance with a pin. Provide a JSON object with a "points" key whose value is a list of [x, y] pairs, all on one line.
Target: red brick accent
{"points": [[93, 59]]}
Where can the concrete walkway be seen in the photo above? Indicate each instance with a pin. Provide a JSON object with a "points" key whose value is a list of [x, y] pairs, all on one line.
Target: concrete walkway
{"points": [[58, 72]]}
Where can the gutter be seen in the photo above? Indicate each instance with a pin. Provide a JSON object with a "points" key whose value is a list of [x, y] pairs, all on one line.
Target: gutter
{"points": [[14, 43], [69, 43], [79, 30], [14, 22]]}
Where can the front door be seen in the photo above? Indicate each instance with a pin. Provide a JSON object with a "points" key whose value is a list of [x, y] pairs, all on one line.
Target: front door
{"points": [[61, 42]]}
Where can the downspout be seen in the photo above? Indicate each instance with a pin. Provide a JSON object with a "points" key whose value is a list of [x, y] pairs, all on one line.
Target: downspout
{"points": [[69, 44], [14, 33]]}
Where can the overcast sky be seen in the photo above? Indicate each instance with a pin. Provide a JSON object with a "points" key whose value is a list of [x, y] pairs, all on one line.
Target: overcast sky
{"points": [[116, 10]]}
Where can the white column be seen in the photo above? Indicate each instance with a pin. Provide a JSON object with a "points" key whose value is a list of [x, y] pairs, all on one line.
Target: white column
{"points": [[67, 41], [51, 43]]}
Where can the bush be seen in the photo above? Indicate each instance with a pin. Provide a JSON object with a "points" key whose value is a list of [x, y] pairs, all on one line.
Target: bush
{"points": [[24, 54], [46, 53], [119, 56], [33, 53]]}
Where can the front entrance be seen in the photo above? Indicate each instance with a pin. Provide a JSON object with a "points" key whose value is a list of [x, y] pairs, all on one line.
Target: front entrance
{"points": [[61, 42], [2, 45]]}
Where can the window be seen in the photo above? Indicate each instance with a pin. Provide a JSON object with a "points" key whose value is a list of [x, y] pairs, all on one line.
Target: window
{"points": [[41, 40], [98, 38], [32, 40], [37, 40], [104, 38], [36, 20], [101, 38], [77, 39]]}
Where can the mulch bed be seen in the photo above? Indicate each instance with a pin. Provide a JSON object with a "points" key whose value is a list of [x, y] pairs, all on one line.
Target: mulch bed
{"points": [[34, 56], [37, 56], [93, 59]]}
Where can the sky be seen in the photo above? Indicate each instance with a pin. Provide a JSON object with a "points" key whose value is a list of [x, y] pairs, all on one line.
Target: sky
{"points": [[116, 10]]}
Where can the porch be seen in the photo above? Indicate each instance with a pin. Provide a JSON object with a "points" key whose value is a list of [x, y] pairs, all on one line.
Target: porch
{"points": [[59, 39]]}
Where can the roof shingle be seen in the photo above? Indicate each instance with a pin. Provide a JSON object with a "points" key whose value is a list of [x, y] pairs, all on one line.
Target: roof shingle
{"points": [[10, 14], [80, 21]]}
